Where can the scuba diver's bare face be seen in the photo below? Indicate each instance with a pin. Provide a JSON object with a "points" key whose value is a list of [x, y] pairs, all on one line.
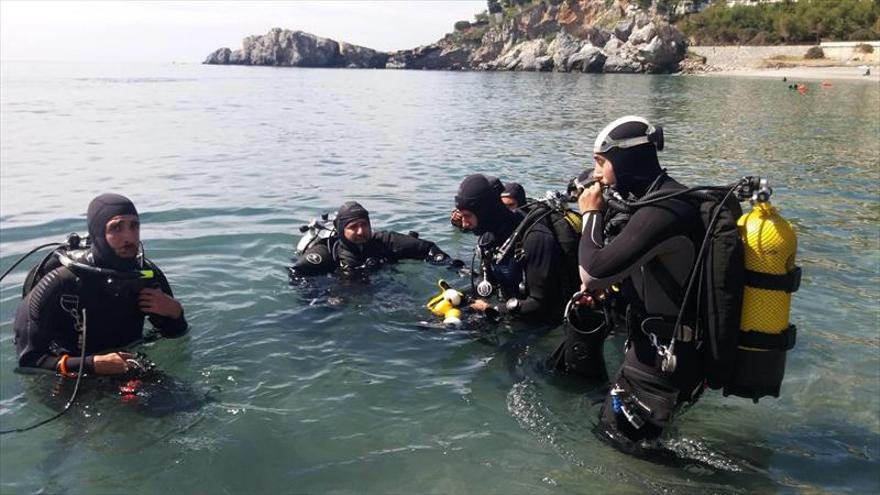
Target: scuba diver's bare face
{"points": [[357, 231], [603, 170], [469, 220], [509, 202], [123, 235]]}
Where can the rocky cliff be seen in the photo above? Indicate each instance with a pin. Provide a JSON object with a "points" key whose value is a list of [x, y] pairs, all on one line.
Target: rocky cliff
{"points": [[545, 35], [298, 49]]}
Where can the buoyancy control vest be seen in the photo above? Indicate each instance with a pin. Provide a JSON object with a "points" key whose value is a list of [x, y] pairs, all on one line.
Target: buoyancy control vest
{"points": [[75, 255], [552, 210], [317, 230], [744, 338]]}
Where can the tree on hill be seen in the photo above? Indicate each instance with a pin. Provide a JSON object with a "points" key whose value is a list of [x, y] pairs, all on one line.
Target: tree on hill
{"points": [[785, 22]]}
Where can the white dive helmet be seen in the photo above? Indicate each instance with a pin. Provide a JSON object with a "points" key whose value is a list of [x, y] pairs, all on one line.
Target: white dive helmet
{"points": [[605, 143]]}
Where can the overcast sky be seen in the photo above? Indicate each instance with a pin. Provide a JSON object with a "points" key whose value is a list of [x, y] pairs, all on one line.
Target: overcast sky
{"points": [[185, 31]]}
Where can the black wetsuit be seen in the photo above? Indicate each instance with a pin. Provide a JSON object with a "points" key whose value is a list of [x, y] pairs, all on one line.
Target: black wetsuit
{"points": [[45, 328], [652, 256], [539, 264], [383, 247]]}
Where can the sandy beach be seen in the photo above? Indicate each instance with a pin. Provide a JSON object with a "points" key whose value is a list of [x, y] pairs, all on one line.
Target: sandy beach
{"points": [[778, 61], [795, 74]]}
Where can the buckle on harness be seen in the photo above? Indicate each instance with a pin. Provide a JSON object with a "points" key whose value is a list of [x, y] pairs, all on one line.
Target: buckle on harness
{"points": [[659, 327]]}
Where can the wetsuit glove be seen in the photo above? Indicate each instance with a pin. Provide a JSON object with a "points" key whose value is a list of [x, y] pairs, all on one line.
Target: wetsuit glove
{"points": [[437, 256]]}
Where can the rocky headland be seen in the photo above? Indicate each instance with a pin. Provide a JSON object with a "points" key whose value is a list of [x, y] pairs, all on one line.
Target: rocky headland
{"points": [[282, 47], [551, 35]]}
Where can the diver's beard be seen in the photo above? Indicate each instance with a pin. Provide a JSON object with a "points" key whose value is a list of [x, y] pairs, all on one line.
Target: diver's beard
{"points": [[128, 252]]}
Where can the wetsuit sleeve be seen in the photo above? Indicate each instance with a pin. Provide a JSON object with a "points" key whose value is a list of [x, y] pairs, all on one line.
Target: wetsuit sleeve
{"points": [[601, 265], [317, 260], [44, 331], [168, 327], [400, 246], [542, 258]]}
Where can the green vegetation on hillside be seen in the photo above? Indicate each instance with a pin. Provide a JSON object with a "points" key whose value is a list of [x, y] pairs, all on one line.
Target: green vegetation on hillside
{"points": [[786, 22]]}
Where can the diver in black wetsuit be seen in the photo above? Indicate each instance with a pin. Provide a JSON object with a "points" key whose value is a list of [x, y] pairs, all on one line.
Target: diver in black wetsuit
{"points": [[48, 322], [651, 258], [354, 246], [514, 196], [532, 280]]}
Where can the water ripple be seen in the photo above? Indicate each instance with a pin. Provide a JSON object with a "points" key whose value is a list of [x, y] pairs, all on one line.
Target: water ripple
{"points": [[332, 381]]}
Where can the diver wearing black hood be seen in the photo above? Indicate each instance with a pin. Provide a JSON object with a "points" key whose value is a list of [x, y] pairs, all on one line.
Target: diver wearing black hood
{"points": [[48, 322], [651, 258], [514, 196], [531, 280], [354, 246]]}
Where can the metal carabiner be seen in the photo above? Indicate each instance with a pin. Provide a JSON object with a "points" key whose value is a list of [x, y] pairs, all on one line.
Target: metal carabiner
{"points": [[669, 361]]}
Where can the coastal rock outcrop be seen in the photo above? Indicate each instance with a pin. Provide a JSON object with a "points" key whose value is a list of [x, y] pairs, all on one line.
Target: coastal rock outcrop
{"points": [[541, 35], [282, 47], [564, 36]]}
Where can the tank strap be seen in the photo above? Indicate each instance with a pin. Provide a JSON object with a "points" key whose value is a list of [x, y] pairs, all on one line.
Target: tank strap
{"points": [[790, 282], [769, 341]]}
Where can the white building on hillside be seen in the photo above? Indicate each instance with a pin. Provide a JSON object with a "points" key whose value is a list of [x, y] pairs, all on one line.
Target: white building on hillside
{"points": [[685, 7], [731, 3]]}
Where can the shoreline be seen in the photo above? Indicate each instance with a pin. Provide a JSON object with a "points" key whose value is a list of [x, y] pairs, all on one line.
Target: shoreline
{"points": [[794, 74]]}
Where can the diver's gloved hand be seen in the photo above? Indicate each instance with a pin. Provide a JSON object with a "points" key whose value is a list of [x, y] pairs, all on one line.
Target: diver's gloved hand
{"points": [[437, 256]]}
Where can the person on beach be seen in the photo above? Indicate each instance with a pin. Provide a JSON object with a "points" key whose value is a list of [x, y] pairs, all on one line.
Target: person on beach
{"points": [[650, 259], [91, 309], [533, 280], [355, 246]]}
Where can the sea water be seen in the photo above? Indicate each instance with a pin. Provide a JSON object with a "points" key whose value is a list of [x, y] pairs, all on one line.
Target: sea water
{"points": [[338, 386]]}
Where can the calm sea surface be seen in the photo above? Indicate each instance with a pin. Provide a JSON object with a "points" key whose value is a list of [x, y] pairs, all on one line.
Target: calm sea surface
{"points": [[338, 387]]}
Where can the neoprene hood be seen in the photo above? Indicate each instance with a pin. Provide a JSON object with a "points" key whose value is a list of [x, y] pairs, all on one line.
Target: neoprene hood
{"points": [[349, 212], [631, 143], [101, 210], [477, 194], [515, 191]]}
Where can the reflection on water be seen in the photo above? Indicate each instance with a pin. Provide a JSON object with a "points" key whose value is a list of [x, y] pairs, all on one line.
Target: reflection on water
{"points": [[336, 386]]}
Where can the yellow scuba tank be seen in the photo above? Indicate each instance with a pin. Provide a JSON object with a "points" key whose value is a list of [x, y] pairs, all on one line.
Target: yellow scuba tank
{"points": [[445, 304], [574, 219], [770, 278]]}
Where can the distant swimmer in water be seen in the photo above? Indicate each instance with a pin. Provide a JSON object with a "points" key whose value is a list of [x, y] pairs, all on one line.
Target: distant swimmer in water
{"points": [[349, 244]]}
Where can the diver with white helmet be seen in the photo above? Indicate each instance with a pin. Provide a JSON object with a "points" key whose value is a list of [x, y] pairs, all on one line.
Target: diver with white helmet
{"points": [[651, 260]]}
